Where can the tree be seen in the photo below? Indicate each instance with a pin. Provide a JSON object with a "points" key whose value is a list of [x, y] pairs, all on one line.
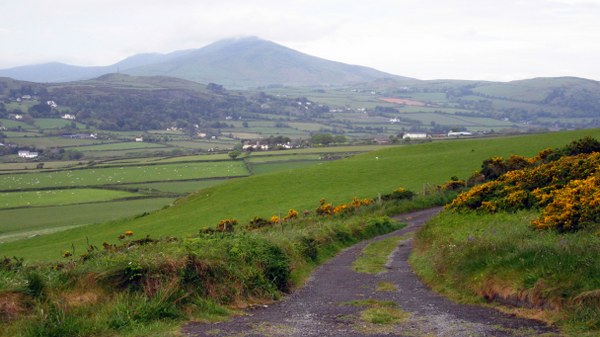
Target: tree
{"points": [[234, 154], [321, 138]]}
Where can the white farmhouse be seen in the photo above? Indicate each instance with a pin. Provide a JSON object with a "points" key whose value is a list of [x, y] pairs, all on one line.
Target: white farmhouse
{"points": [[459, 133], [27, 154], [413, 136]]}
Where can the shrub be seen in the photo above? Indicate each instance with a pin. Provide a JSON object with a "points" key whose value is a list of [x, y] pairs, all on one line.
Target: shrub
{"points": [[573, 207], [399, 194], [308, 247], [292, 214], [324, 208], [36, 285], [258, 222], [226, 226], [531, 187]]}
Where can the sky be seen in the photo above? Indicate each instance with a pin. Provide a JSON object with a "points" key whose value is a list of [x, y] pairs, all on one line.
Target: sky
{"points": [[426, 39]]}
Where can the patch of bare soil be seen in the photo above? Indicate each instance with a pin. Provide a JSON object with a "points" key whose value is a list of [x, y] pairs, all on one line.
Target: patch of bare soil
{"points": [[323, 306]]}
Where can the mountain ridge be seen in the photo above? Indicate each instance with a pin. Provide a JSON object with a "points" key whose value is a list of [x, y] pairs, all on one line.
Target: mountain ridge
{"points": [[240, 62]]}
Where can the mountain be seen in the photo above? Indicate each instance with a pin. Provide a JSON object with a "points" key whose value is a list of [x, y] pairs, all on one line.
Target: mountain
{"points": [[53, 72], [244, 62]]}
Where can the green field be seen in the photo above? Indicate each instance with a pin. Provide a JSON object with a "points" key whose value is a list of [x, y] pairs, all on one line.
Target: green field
{"points": [[179, 187], [415, 167], [48, 142], [55, 123], [60, 197], [120, 146], [271, 167], [19, 224], [128, 174]]}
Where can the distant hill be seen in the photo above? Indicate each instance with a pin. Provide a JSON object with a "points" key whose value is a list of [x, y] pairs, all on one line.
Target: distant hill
{"points": [[244, 62]]}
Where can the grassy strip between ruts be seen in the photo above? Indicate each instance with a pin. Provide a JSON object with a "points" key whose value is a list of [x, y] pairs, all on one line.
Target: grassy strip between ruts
{"points": [[147, 284], [374, 256], [472, 256]]}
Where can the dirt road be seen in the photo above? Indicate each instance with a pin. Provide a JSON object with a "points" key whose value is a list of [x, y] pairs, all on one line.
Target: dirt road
{"points": [[322, 307]]}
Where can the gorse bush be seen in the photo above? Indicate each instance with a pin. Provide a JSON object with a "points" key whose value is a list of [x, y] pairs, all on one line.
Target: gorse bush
{"points": [[575, 206], [566, 188]]}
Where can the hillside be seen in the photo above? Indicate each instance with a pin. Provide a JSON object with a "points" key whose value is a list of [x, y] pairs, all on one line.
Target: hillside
{"points": [[413, 167], [245, 62]]}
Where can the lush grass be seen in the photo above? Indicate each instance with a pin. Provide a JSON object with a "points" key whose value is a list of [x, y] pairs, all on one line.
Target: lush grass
{"points": [[414, 167], [471, 256], [386, 287], [7, 168], [282, 157], [119, 175], [180, 187], [53, 141], [55, 123], [60, 197], [271, 167], [374, 256], [120, 146], [139, 283], [18, 224]]}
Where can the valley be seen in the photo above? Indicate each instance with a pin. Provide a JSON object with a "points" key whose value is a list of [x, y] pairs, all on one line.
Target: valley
{"points": [[165, 188]]}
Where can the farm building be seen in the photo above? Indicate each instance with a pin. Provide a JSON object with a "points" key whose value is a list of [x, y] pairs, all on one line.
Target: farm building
{"points": [[410, 135], [459, 133], [27, 154]]}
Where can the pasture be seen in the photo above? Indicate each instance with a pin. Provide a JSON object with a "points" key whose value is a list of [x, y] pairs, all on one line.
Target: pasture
{"points": [[60, 197], [122, 175], [416, 167]]}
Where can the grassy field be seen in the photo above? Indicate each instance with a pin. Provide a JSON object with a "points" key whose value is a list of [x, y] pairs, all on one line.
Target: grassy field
{"points": [[414, 167], [128, 174], [120, 146], [48, 142], [133, 184], [179, 187], [60, 197], [19, 224], [272, 167]]}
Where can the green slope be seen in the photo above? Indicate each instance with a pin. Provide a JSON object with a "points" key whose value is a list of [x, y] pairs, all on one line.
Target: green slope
{"points": [[365, 175]]}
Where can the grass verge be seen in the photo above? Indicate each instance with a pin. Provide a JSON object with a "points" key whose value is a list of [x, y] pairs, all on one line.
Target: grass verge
{"points": [[153, 285], [474, 257]]}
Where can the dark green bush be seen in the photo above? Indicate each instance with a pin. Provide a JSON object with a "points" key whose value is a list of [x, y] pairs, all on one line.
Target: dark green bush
{"points": [[36, 285], [308, 248], [399, 194]]}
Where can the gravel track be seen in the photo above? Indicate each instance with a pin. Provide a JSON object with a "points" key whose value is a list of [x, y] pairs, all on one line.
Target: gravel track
{"points": [[321, 307]]}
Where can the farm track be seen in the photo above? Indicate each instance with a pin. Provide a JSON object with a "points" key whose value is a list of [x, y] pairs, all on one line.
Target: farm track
{"points": [[321, 307]]}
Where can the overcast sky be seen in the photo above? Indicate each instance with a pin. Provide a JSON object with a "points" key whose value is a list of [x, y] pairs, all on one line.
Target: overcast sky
{"points": [[427, 39]]}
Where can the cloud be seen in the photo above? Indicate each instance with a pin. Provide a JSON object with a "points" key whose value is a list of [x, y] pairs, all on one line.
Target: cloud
{"points": [[420, 38]]}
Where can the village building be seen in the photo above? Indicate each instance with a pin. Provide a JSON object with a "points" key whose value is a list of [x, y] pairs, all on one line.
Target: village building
{"points": [[27, 154], [459, 133], [415, 135]]}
